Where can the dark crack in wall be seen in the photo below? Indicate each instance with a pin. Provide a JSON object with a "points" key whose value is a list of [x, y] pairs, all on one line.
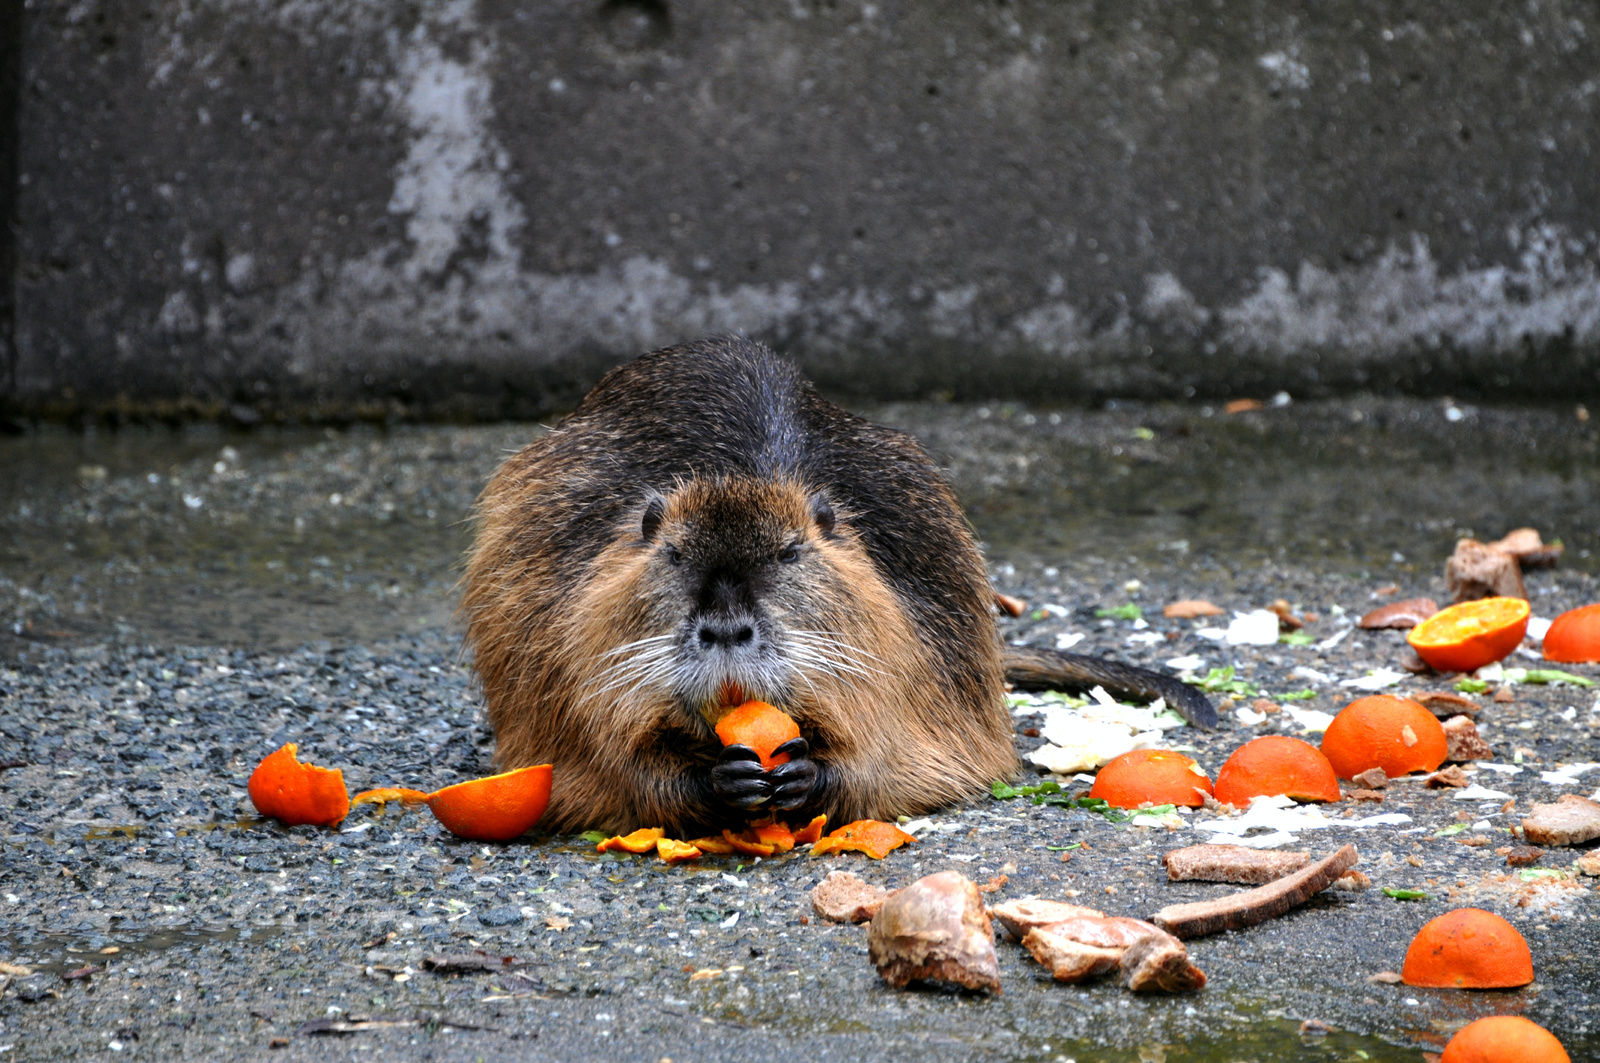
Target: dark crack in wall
{"points": [[474, 208]]}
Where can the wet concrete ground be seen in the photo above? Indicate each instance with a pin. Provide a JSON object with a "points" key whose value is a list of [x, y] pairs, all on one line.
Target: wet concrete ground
{"points": [[177, 605]]}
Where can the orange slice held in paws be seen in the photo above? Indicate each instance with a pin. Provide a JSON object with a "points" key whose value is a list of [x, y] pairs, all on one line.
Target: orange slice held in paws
{"points": [[1465, 637], [1276, 764], [873, 837], [294, 793], [1574, 636], [1384, 731], [1153, 777], [1468, 948], [1504, 1039], [761, 727]]}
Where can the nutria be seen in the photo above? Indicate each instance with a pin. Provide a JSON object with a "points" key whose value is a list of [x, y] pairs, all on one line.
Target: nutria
{"points": [[706, 529]]}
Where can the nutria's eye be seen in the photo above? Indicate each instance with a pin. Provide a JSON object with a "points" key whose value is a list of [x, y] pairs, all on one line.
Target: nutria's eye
{"points": [[790, 555], [673, 557]]}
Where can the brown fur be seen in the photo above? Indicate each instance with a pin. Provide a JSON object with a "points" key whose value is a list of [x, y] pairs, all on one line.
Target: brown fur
{"points": [[913, 725]]}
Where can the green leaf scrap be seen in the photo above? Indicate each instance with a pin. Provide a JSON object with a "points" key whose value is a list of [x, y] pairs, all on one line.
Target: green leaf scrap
{"points": [[1296, 695], [1546, 675], [594, 836], [1121, 612], [1405, 895], [1221, 681], [1472, 686], [1295, 638], [1454, 828]]}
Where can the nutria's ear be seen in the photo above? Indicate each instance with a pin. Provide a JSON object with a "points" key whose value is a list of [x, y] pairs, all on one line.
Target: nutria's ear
{"points": [[822, 513], [655, 508]]}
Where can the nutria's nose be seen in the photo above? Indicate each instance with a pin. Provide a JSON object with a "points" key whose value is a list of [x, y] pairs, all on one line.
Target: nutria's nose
{"points": [[732, 634]]}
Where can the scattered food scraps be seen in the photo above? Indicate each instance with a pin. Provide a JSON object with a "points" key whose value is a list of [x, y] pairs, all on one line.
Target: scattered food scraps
{"points": [[475, 962], [1450, 777], [1477, 570], [1258, 905], [1405, 614], [870, 836], [1230, 863], [936, 930], [1571, 820], [384, 795], [1528, 548], [1463, 742], [1259, 627], [843, 897], [1009, 605], [1190, 609], [1444, 704]]}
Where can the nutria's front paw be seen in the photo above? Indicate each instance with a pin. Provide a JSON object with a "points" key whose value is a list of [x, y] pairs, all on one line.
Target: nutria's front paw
{"points": [[792, 783], [738, 779]]}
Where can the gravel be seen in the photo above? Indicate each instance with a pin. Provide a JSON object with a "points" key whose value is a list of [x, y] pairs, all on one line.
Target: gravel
{"points": [[129, 842]]}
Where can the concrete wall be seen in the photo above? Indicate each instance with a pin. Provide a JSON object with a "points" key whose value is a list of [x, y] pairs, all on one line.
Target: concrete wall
{"points": [[475, 206]]}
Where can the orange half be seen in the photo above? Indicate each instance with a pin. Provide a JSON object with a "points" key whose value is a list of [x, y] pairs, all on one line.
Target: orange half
{"points": [[1503, 1038], [1574, 636], [1384, 731], [1467, 636], [294, 793], [1276, 764], [494, 809], [1151, 776], [1468, 948]]}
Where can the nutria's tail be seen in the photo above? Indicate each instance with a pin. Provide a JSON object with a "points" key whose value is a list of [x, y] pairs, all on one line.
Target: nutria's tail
{"points": [[1034, 668]]}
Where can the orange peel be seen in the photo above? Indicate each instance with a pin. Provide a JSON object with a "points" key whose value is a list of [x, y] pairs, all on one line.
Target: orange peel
{"points": [[295, 793], [811, 832], [873, 837], [642, 840], [385, 794], [716, 846], [675, 852]]}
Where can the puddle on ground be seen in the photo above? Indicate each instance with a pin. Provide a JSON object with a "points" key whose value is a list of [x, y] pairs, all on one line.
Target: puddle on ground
{"points": [[60, 952], [275, 538]]}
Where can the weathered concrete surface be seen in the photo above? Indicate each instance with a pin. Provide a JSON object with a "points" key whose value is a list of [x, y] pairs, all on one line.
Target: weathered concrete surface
{"points": [[477, 206]]}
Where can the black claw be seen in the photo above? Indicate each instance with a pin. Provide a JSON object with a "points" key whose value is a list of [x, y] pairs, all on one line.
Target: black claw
{"points": [[793, 783], [796, 748], [737, 778]]}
